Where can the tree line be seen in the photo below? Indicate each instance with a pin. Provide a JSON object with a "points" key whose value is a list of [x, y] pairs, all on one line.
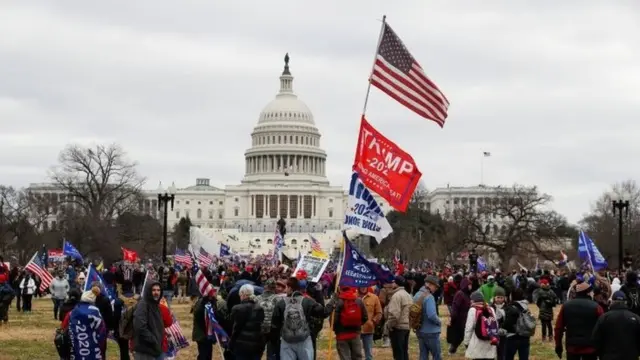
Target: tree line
{"points": [[100, 196]]}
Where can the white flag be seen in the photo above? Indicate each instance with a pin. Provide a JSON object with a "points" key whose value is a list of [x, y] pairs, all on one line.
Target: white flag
{"points": [[363, 213]]}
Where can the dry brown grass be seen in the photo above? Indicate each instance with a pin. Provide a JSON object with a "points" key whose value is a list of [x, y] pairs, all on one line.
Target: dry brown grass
{"points": [[30, 337]]}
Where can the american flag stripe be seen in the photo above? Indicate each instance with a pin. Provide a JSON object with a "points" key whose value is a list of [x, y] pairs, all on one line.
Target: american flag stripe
{"points": [[399, 75], [182, 258], [36, 267], [315, 245], [204, 258]]}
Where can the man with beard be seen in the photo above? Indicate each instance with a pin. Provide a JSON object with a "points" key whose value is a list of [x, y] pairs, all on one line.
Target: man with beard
{"points": [[148, 326]]}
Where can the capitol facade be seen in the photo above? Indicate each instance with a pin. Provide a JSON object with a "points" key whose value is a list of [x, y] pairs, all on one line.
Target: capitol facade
{"points": [[285, 177]]}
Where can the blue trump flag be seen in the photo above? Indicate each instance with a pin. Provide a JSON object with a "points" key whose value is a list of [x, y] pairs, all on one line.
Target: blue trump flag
{"points": [[357, 271], [588, 251], [69, 250], [93, 275], [225, 250]]}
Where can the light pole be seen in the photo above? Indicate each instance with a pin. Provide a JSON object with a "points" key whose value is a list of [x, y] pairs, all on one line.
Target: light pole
{"points": [[620, 205], [164, 198]]}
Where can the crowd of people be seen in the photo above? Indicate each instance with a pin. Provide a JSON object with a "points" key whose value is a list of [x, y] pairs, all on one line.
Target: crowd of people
{"points": [[272, 311]]}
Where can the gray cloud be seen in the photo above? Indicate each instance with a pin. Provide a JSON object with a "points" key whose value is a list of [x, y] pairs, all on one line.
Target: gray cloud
{"points": [[550, 89]]}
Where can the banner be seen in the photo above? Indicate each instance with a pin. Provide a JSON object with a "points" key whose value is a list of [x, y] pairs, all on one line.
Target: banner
{"points": [[385, 168], [357, 271], [363, 213], [314, 266], [56, 255]]}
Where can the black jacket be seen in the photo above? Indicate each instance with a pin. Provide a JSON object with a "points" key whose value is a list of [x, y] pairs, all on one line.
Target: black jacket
{"points": [[616, 335], [246, 338], [104, 305], [148, 327]]}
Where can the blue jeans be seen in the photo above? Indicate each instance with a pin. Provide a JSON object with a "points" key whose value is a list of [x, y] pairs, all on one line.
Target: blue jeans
{"points": [[517, 344], [430, 343], [298, 351], [367, 345], [168, 294], [57, 303]]}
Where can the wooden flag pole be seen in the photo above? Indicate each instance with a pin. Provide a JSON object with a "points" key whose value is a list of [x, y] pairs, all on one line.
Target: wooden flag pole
{"points": [[335, 290]]}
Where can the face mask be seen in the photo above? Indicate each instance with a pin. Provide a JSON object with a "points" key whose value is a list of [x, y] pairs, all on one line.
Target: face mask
{"points": [[156, 298]]}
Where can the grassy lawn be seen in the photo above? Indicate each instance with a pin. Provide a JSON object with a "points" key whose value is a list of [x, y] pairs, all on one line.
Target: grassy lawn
{"points": [[30, 337]]}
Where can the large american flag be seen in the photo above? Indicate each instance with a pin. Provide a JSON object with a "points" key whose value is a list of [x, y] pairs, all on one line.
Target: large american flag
{"points": [[399, 75], [182, 257], [36, 266], [204, 258]]}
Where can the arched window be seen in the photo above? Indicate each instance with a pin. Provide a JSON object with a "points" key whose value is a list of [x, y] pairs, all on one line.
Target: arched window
{"points": [[269, 241], [306, 240], [257, 240], [294, 242]]}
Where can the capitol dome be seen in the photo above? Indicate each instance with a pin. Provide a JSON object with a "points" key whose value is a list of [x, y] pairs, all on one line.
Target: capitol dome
{"points": [[285, 142]]}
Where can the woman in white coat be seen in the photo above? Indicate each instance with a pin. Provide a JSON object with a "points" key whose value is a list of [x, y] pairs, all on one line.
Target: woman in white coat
{"points": [[477, 349], [27, 288]]}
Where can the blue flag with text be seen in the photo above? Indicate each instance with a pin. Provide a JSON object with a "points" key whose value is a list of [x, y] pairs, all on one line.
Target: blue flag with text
{"points": [[69, 250], [363, 213], [357, 271], [588, 251]]}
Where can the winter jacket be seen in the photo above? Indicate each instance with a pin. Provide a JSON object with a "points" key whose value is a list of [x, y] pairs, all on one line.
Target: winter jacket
{"points": [[148, 325], [344, 332], [488, 290], [431, 323], [397, 312], [632, 292], [199, 331], [27, 286], [616, 335], [511, 314], [374, 313], [460, 306], [310, 307], [546, 300], [247, 340], [476, 348], [120, 305], [59, 288], [449, 291]]}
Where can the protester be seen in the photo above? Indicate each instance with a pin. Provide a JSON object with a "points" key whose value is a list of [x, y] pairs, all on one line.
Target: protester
{"points": [[86, 328], [616, 334], [374, 316], [478, 348], [58, 288], [350, 315], [397, 314], [149, 341], [27, 289], [429, 327]]}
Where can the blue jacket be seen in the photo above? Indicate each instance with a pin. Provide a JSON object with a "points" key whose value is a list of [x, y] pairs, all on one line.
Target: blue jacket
{"points": [[431, 323]]}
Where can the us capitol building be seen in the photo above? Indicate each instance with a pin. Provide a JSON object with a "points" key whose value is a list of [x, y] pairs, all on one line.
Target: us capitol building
{"points": [[285, 177]]}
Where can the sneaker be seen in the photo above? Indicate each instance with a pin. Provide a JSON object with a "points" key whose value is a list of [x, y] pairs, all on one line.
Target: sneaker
{"points": [[386, 342]]}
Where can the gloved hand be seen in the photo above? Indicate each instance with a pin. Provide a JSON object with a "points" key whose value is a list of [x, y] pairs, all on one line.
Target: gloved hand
{"points": [[559, 351]]}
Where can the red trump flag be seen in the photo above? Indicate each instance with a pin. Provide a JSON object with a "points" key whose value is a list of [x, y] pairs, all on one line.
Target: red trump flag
{"points": [[385, 168]]}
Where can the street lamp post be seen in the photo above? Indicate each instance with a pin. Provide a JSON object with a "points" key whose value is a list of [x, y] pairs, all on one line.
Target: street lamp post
{"points": [[164, 198], [620, 205]]}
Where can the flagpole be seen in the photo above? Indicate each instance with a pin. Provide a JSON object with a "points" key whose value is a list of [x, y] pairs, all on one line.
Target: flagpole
{"points": [[366, 97], [335, 290]]}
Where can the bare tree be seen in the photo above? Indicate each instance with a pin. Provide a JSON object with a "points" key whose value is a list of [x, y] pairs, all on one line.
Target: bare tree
{"points": [[601, 224], [517, 220], [24, 221], [100, 184]]}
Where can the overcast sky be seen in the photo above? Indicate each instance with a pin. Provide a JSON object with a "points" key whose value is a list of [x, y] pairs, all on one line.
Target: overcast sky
{"points": [[552, 91]]}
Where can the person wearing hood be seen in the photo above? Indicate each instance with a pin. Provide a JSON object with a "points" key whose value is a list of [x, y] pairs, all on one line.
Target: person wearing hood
{"points": [[578, 317], [149, 340], [631, 292], [515, 342], [458, 316], [546, 300], [6, 296], [58, 288], [488, 290], [350, 315], [87, 330], [616, 335]]}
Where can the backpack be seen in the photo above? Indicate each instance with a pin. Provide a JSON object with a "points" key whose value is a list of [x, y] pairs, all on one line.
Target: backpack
{"points": [[295, 328], [267, 303], [526, 323], [486, 325], [351, 314], [125, 328], [415, 313]]}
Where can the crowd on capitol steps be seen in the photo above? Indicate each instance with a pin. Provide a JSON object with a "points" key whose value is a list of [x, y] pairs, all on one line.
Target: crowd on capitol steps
{"points": [[254, 307]]}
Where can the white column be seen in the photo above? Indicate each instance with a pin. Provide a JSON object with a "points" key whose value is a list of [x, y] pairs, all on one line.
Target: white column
{"points": [[278, 208]]}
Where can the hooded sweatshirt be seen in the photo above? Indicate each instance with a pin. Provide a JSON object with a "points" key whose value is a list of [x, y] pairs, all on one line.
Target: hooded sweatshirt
{"points": [[345, 332], [148, 326]]}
